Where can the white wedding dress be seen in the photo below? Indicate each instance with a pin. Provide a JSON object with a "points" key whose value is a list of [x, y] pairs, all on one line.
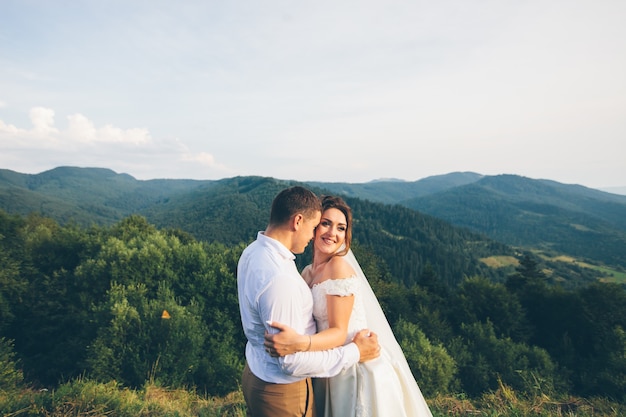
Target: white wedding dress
{"points": [[383, 387]]}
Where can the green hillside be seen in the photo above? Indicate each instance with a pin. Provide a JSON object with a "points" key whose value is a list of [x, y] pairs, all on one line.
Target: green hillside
{"points": [[84, 195], [570, 219], [230, 211], [431, 227], [87, 304], [475, 317], [234, 210]]}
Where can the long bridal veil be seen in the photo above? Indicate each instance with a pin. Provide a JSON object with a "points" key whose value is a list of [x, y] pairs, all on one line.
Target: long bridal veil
{"points": [[414, 401]]}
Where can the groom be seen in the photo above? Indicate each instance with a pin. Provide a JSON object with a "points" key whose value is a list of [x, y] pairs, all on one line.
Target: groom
{"points": [[270, 288]]}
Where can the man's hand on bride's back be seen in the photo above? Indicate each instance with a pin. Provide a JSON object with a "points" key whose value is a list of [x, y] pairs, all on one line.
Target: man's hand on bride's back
{"points": [[368, 345]]}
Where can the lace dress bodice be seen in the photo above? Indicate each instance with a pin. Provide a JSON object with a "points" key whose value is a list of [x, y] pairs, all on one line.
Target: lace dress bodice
{"points": [[342, 287]]}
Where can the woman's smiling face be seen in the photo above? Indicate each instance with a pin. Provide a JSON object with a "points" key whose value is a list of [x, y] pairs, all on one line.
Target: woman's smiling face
{"points": [[331, 231]]}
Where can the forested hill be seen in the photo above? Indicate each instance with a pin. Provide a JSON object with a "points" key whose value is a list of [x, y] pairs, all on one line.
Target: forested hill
{"points": [[234, 210], [570, 219], [80, 300], [517, 211], [542, 214], [84, 195]]}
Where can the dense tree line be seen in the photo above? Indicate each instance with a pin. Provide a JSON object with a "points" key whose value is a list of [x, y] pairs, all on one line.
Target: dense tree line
{"points": [[133, 303], [412, 242], [91, 302]]}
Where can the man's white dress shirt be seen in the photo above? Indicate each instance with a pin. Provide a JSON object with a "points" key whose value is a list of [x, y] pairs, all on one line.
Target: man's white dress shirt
{"points": [[270, 288]]}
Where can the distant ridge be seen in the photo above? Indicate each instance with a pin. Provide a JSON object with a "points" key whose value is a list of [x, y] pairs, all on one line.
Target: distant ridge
{"points": [[83, 195], [615, 190], [395, 191], [231, 211], [514, 210], [520, 211]]}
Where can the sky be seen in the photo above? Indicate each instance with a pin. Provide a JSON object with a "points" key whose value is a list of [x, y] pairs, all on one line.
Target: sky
{"points": [[332, 91]]}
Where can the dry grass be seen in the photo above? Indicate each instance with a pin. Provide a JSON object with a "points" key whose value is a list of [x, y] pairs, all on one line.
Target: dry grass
{"points": [[192, 404], [453, 406], [504, 402], [89, 399], [500, 261]]}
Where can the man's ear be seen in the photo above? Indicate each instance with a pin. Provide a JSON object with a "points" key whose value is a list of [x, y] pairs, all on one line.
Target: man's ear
{"points": [[297, 221]]}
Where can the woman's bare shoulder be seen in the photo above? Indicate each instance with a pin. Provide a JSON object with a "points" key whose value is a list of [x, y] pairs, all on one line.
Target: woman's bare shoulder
{"points": [[339, 268]]}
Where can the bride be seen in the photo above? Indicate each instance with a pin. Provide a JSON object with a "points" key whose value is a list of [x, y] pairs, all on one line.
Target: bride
{"points": [[344, 303]]}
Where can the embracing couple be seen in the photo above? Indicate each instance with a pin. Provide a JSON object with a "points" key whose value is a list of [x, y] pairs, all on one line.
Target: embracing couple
{"points": [[318, 343]]}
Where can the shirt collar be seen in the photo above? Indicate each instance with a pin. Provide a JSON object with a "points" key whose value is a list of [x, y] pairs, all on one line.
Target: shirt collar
{"points": [[278, 246]]}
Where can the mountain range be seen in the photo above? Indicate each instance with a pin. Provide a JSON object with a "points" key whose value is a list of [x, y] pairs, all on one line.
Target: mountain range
{"points": [[519, 211], [434, 218]]}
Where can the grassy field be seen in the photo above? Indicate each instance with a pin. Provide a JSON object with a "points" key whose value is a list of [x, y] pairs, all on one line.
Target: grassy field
{"points": [[609, 274], [84, 398], [500, 261]]}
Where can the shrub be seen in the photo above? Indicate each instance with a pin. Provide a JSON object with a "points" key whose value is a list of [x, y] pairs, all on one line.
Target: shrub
{"points": [[433, 367], [11, 377]]}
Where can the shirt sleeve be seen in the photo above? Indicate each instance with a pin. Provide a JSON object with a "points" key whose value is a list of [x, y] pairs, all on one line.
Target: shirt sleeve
{"points": [[321, 364]]}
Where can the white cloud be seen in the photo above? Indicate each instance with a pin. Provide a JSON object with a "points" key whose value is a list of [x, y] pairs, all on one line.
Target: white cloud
{"points": [[83, 144], [43, 124], [82, 129]]}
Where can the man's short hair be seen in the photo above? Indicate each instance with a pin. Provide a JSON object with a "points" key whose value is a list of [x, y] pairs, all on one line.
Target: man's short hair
{"points": [[291, 201]]}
